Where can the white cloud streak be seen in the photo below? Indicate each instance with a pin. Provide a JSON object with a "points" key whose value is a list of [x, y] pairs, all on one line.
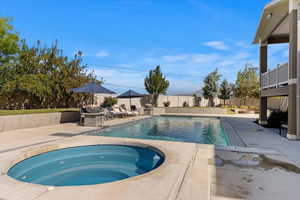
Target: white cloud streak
{"points": [[217, 45], [102, 53], [187, 70]]}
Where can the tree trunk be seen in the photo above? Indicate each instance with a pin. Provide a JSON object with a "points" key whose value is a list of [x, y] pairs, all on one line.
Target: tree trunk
{"points": [[155, 99], [211, 101]]}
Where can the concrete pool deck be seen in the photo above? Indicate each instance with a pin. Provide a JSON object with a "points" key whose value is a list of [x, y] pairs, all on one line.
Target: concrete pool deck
{"points": [[172, 180], [265, 170]]}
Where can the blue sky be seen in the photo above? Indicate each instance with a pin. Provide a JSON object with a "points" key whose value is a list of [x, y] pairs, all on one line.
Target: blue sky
{"points": [[188, 38]]}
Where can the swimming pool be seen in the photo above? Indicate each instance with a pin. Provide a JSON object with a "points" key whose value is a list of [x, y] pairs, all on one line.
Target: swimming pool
{"points": [[182, 129], [86, 165]]}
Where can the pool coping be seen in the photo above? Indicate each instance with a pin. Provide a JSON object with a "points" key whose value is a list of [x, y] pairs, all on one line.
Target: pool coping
{"points": [[172, 173]]}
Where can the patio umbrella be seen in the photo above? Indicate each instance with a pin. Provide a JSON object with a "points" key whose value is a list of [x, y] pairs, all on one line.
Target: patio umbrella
{"points": [[93, 88], [130, 94]]}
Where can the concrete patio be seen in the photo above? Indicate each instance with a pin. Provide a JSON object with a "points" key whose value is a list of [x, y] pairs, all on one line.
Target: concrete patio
{"points": [[266, 169]]}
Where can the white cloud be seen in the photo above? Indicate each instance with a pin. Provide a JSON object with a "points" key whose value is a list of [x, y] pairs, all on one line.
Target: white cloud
{"points": [[204, 58], [174, 58], [186, 70], [226, 63], [102, 53], [241, 56], [121, 81], [190, 58], [218, 45]]}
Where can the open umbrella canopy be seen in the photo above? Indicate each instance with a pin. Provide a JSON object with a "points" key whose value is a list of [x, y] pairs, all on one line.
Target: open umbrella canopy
{"points": [[130, 94], [93, 88]]}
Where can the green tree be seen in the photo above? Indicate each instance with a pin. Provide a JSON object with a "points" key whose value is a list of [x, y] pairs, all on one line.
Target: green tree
{"points": [[42, 77], [8, 49], [247, 83], [8, 41], [38, 76], [225, 91], [210, 89], [156, 84]]}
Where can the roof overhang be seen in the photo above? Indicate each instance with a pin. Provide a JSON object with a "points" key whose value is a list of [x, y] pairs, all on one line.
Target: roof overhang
{"points": [[274, 23]]}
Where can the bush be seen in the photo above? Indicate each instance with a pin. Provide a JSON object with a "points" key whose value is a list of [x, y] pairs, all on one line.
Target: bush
{"points": [[243, 107], [224, 106], [109, 101], [185, 104], [277, 118], [167, 104], [252, 108]]}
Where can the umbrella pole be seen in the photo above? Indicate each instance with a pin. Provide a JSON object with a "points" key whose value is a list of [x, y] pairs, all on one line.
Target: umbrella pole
{"points": [[130, 103]]}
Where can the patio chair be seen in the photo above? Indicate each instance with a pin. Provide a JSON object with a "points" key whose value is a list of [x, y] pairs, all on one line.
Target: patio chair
{"points": [[82, 111], [129, 113], [116, 112], [107, 114], [134, 109]]}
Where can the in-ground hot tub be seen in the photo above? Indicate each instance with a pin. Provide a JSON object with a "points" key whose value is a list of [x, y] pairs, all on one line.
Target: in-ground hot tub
{"points": [[86, 165]]}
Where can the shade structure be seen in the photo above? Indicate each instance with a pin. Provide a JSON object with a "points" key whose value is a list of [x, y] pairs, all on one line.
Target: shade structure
{"points": [[130, 94], [93, 88]]}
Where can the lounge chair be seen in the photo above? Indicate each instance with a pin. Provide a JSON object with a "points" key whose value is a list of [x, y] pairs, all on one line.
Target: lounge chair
{"points": [[116, 112], [134, 109], [107, 114], [129, 113]]}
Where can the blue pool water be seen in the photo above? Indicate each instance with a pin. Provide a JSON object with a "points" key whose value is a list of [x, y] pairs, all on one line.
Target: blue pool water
{"points": [[86, 165], [183, 129]]}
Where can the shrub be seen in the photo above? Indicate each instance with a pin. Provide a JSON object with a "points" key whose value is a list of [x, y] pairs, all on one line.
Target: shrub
{"points": [[225, 106], [243, 107], [185, 104], [252, 108], [167, 103], [276, 118], [109, 101]]}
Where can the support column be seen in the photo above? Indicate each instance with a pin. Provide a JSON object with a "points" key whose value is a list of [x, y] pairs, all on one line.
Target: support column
{"points": [[263, 66], [293, 48]]}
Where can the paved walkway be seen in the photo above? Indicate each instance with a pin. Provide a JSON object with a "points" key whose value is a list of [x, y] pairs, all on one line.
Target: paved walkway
{"points": [[256, 136], [30, 137]]}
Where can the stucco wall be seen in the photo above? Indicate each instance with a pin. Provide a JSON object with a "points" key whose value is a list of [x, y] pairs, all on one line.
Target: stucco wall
{"points": [[134, 101], [99, 98], [175, 101], [12, 122]]}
